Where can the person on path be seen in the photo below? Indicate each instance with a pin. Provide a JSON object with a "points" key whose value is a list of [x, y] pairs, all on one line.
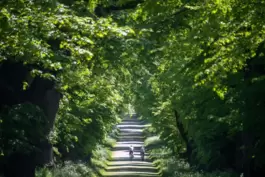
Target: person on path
{"points": [[131, 152], [142, 152]]}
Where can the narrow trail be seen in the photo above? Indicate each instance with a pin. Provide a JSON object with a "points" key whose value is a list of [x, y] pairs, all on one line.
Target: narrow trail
{"points": [[130, 134]]}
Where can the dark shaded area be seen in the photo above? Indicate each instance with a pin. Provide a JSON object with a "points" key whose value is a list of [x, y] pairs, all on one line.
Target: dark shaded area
{"points": [[41, 92], [253, 136], [241, 151], [102, 10]]}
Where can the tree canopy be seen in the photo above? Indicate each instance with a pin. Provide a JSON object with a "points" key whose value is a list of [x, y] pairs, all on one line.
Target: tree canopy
{"points": [[196, 66]]}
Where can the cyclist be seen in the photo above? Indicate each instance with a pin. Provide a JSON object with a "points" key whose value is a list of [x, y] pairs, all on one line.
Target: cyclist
{"points": [[131, 152], [142, 153]]}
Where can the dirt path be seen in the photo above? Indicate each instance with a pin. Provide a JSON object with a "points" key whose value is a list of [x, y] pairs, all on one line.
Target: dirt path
{"points": [[121, 166]]}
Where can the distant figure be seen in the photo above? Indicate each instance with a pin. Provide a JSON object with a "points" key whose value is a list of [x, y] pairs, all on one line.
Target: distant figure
{"points": [[142, 153], [131, 152]]}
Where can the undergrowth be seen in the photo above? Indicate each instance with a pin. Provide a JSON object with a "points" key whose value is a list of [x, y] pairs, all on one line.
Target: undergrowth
{"points": [[100, 156], [70, 169], [171, 166]]}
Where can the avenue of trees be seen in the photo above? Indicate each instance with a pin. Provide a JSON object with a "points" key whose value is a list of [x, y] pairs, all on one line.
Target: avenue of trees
{"points": [[195, 69]]}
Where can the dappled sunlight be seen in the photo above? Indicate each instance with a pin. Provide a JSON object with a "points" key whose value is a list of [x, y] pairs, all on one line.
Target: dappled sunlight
{"points": [[128, 162], [134, 167], [131, 174], [131, 126], [132, 130], [130, 142]]}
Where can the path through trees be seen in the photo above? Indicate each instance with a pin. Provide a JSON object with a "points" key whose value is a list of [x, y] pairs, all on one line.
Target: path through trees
{"points": [[130, 134]]}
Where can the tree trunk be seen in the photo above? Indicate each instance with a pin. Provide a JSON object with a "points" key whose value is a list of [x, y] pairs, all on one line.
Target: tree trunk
{"points": [[184, 136], [45, 96], [41, 92]]}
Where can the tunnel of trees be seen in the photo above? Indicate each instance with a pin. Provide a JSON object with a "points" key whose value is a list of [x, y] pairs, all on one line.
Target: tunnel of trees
{"points": [[69, 68]]}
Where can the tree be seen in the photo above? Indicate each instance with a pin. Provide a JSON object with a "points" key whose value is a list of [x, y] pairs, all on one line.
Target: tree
{"points": [[54, 49], [205, 61]]}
